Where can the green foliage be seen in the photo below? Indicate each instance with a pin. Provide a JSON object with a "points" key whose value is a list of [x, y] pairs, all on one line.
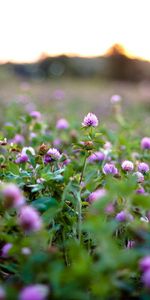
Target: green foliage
{"points": [[82, 251]]}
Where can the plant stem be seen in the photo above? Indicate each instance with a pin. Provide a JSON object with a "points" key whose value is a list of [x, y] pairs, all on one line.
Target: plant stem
{"points": [[83, 168], [79, 210]]}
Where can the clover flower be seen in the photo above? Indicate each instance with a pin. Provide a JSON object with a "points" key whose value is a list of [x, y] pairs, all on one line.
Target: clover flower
{"points": [[62, 124], [127, 166], [140, 190], [33, 135], [123, 216], [143, 167], [109, 209], [90, 120], [108, 146], [5, 250], [110, 168], [144, 263], [145, 143], [115, 99], [12, 196], [34, 292], [29, 219], [57, 142], [139, 176], [18, 139], [35, 115], [96, 156], [22, 158], [52, 155], [59, 94], [99, 193]]}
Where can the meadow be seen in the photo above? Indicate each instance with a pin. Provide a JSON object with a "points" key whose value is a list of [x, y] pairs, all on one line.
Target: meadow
{"points": [[74, 189]]}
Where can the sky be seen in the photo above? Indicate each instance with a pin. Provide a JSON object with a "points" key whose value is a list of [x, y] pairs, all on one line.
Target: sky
{"points": [[29, 28]]}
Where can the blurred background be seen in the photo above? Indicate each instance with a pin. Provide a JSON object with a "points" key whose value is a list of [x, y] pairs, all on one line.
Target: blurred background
{"points": [[67, 56]]}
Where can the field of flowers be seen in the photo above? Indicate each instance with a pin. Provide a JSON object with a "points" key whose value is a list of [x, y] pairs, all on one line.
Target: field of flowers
{"points": [[74, 198]]}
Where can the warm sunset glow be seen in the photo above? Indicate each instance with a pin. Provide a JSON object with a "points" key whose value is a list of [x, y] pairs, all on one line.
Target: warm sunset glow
{"points": [[29, 28]]}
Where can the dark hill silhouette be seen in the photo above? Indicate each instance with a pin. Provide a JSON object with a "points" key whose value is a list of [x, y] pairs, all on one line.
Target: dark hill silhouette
{"points": [[115, 64]]}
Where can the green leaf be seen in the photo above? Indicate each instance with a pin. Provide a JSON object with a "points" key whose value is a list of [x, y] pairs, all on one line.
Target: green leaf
{"points": [[13, 168], [44, 203]]}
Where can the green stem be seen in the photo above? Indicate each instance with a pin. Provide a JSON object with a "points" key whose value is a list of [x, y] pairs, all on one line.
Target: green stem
{"points": [[79, 210], [83, 168]]}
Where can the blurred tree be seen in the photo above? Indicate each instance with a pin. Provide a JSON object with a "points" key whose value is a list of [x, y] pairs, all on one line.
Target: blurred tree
{"points": [[120, 66]]}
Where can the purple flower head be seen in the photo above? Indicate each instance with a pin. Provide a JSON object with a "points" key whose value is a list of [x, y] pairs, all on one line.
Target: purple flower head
{"points": [[97, 156], [62, 124], [5, 250], [52, 155], [34, 292], [127, 166], [90, 120], [29, 219], [139, 176], [99, 193], [18, 139], [109, 208], [66, 162], [144, 263], [59, 94], [145, 143], [143, 167], [140, 191], [2, 293], [33, 135], [146, 279], [12, 196], [35, 115], [110, 168], [107, 146], [22, 158], [115, 99], [57, 142], [123, 216]]}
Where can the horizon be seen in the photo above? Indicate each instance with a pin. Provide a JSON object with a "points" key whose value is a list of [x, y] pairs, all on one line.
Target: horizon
{"points": [[87, 28], [73, 55]]}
